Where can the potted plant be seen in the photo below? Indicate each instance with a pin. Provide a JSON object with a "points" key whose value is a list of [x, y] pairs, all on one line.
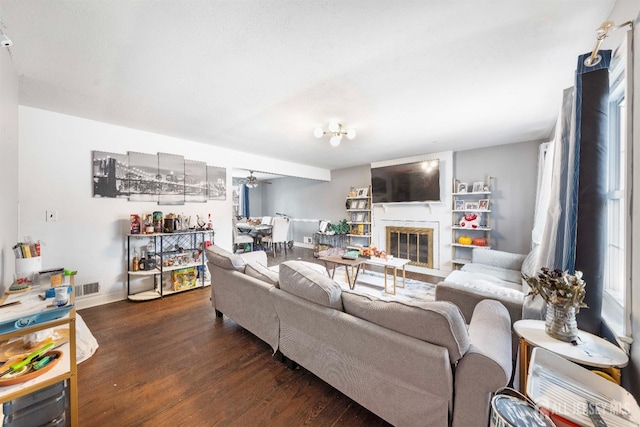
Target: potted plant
{"points": [[341, 227], [564, 294]]}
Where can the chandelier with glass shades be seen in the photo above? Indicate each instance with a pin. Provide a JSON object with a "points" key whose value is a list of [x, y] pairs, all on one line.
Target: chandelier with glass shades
{"points": [[336, 131]]}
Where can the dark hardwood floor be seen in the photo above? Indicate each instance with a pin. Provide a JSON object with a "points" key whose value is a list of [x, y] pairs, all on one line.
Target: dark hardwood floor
{"points": [[171, 362]]}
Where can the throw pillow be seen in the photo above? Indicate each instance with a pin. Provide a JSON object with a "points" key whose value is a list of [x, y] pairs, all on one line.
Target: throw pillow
{"points": [[259, 271], [303, 281], [224, 259]]}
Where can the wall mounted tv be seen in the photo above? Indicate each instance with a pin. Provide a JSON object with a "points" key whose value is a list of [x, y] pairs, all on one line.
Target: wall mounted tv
{"points": [[408, 182]]}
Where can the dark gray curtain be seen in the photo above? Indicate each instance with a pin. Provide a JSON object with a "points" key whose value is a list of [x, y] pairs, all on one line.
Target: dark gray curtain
{"points": [[588, 216]]}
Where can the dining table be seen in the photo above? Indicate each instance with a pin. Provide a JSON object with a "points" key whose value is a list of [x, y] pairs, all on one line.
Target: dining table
{"points": [[257, 231]]}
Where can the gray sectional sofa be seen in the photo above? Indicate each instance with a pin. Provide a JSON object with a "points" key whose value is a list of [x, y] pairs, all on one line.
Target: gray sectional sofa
{"points": [[412, 364], [494, 275]]}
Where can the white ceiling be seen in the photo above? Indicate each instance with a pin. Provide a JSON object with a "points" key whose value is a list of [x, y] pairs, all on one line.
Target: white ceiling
{"points": [[412, 77]]}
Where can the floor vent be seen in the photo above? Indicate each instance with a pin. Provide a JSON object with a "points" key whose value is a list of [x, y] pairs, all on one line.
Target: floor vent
{"points": [[87, 289]]}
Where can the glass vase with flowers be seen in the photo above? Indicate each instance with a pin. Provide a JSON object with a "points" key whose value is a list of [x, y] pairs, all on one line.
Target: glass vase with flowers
{"points": [[564, 294]]}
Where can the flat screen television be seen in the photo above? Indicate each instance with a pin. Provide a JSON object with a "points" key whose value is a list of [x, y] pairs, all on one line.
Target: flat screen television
{"points": [[408, 182]]}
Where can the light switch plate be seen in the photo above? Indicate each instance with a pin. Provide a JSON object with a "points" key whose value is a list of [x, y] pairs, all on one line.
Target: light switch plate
{"points": [[52, 215]]}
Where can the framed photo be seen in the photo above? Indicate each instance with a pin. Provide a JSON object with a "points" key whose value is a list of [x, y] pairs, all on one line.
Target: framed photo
{"points": [[478, 186], [360, 217], [459, 205], [484, 204], [322, 227], [462, 187], [354, 217], [363, 192], [471, 206]]}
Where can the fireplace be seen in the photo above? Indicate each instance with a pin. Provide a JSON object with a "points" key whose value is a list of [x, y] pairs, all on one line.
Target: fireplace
{"points": [[415, 244]]}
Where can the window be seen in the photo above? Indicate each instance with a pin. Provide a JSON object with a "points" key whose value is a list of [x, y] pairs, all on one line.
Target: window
{"points": [[616, 301]]}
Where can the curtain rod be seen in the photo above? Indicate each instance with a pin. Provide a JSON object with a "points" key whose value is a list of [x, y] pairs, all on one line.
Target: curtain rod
{"points": [[601, 33]]}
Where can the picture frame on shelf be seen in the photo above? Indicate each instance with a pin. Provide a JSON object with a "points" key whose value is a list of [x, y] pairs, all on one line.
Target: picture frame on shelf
{"points": [[363, 192], [360, 217], [459, 206], [462, 187], [471, 206], [362, 204], [354, 217], [483, 204], [478, 186], [322, 227]]}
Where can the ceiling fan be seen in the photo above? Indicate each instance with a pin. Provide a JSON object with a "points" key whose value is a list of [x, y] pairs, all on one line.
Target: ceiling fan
{"points": [[252, 182]]}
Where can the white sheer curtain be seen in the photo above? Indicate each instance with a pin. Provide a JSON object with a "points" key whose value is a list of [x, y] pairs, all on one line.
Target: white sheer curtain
{"points": [[556, 189]]}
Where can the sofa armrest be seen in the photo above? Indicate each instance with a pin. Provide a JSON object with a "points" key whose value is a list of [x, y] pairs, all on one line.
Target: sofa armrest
{"points": [[485, 367], [466, 297], [258, 256], [495, 258]]}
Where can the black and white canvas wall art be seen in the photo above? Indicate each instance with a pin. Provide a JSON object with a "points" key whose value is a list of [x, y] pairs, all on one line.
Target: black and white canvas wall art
{"points": [[216, 183], [195, 181], [110, 174], [171, 179], [143, 177], [167, 179]]}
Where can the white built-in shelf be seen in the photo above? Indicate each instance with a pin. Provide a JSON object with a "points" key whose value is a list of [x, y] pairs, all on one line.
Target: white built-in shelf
{"points": [[359, 222], [460, 245], [457, 227], [471, 210], [471, 193], [359, 235]]}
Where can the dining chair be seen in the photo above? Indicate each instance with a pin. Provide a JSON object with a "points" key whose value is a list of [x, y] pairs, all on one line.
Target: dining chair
{"points": [[279, 234], [240, 238]]}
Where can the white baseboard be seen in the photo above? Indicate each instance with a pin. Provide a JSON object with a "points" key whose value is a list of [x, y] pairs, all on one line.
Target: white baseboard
{"points": [[304, 245]]}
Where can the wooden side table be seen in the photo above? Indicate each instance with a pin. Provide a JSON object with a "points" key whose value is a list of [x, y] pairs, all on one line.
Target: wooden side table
{"points": [[331, 262], [591, 350]]}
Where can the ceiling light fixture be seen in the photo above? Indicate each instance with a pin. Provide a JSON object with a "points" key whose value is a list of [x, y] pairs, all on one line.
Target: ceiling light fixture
{"points": [[336, 132]]}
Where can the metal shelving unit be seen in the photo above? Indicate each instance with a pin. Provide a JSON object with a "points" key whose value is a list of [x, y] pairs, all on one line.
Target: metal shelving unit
{"points": [[179, 252]]}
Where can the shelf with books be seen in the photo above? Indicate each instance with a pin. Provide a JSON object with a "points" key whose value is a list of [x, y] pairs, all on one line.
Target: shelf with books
{"points": [[470, 219]]}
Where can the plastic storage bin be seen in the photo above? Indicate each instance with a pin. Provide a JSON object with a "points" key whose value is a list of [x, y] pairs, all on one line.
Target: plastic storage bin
{"points": [[43, 412]]}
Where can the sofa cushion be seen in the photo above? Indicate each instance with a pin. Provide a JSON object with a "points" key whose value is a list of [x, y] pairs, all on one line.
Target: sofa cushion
{"points": [[305, 282], [440, 323], [501, 259], [259, 271], [317, 267], [507, 275], [463, 276], [224, 259]]}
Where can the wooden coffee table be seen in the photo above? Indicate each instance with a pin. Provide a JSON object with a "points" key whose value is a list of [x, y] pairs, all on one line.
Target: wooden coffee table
{"points": [[331, 262]]}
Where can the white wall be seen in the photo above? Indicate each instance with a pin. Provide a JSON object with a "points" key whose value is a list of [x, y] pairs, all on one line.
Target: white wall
{"points": [[55, 156], [8, 166]]}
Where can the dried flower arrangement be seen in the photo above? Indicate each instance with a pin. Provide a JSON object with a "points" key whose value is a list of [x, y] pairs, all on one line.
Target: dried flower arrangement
{"points": [[559, 288]]}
